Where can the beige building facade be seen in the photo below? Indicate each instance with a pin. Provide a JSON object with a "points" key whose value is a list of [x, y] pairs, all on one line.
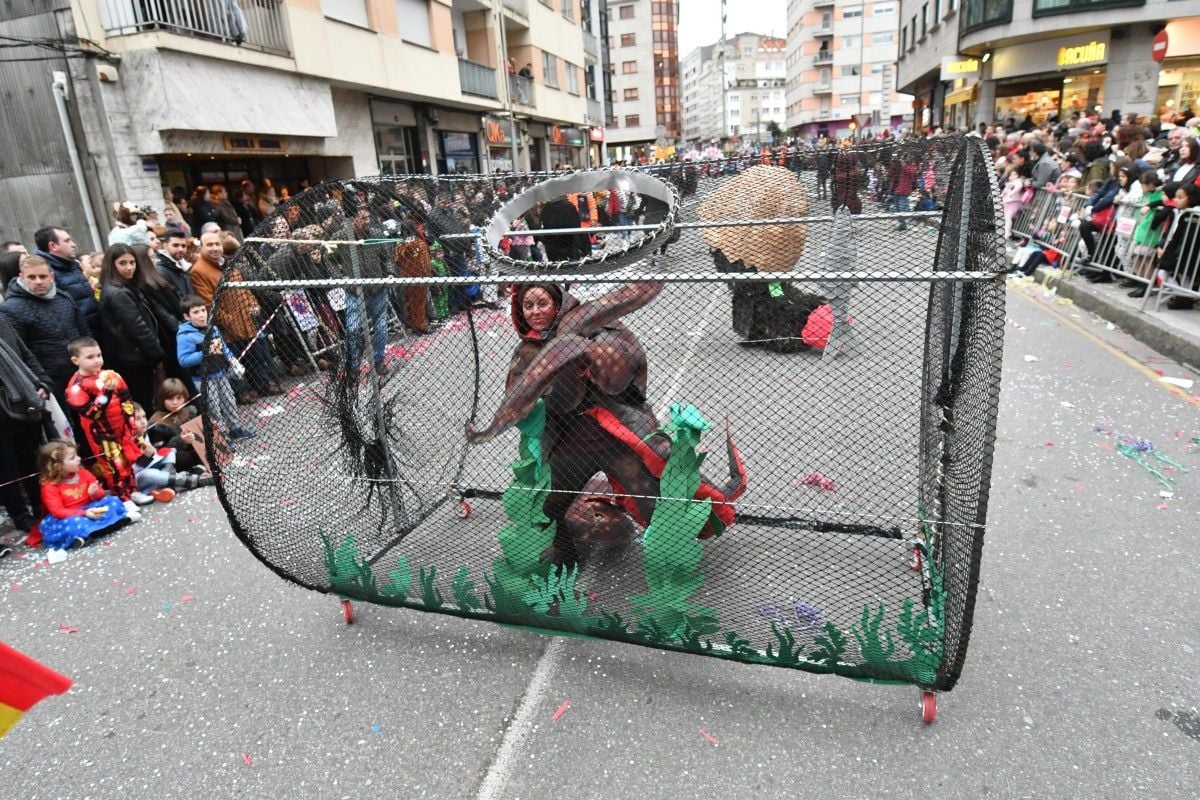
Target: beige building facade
{"points": [[841, 68], [184, 92], [737, 91]]}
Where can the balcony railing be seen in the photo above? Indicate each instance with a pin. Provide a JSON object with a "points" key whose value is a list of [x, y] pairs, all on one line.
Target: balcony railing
{"points": [[253, 24], [823, 88], [823, 57], [522, 91], [476, 79], [591, 45]]}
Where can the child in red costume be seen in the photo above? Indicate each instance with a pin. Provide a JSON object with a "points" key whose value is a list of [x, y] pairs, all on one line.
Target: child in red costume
{"points": [[76, 507], [105, 409]]}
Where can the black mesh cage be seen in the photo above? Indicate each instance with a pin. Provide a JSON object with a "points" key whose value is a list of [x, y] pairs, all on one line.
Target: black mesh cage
{"points": [[743, 408]]}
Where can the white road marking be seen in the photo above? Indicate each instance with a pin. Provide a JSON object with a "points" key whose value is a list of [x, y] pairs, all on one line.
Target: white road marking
{"points": [[502, 765]]}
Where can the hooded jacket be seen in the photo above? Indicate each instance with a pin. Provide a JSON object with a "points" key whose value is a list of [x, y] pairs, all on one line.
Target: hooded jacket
{"points": [[9, 336], [131, 336], [69, 278], [189, 349], [46, 324]]}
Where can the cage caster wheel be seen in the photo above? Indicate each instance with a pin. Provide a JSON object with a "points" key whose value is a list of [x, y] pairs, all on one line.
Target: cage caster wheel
{"points": [[348, 612], [464, 509], [928, 707]]}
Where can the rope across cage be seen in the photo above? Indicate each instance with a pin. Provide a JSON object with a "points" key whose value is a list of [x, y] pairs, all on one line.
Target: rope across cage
{"points": [[751, 416]]}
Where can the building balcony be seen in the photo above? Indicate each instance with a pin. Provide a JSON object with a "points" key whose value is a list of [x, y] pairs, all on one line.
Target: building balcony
{"points": [[591, 45], [823, 29], [521, 90], [823, 88], [252, 24], [477, 79], [595, 112], [823, 57], [824, 4], [516, 11]]}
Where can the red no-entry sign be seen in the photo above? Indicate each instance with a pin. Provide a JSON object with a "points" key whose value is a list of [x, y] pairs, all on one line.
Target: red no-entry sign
{"points": [[1158, 49]]}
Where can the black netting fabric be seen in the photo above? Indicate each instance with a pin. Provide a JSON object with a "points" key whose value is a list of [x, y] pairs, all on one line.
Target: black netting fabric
{"points": [[740, 409]]}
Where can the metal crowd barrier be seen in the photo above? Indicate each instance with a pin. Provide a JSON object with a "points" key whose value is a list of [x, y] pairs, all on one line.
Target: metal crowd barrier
{"points": [[1184, 279], [1053, 221]]}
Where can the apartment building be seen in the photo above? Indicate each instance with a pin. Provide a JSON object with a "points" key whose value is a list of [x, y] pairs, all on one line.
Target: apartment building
{"points": [[644, 55], [183, 92], [735, 90], [972, 61], [841, 68]]}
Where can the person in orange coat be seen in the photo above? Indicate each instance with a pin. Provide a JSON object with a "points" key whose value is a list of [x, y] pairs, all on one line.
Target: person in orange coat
{"points": [[412, 261]]}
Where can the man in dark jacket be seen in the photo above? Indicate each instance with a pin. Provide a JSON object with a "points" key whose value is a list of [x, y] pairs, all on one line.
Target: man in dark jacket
{"points": [[172, 264], [58, 248], [19, 442], [1045, 170], [46, 319]]}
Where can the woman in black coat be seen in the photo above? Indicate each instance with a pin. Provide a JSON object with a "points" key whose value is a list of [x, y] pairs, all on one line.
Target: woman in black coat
{"points": [[20, 440], [165, 302], [132, 341]]}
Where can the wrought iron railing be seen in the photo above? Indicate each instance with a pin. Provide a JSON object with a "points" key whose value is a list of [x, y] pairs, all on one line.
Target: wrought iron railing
{"points": [[253, 24]]}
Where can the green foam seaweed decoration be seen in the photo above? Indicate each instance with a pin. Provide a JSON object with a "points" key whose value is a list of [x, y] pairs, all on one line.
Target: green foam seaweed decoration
{"points": [[431, 596], [555, 594], [671, 551], [874, 650], [464, 590], [788, 654], [830, 647], [529, 531], [400, 580], [347, 570]]}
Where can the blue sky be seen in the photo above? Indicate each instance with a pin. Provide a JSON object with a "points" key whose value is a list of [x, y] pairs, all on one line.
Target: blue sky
{"points": [[700, 20]]}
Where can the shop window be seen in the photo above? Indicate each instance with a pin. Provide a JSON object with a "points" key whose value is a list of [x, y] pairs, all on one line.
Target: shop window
{"points": [[978, 14], [632, 120], [412, 18], [625, 12], [1047, 7], [628, 39], [351, 11], [628, 67], [631, 94]]}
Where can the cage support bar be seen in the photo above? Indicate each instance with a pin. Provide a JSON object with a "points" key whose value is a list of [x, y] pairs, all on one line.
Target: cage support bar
{"points": [[620, 277]]}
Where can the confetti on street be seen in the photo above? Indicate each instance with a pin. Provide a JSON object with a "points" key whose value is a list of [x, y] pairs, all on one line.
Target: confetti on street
{"points": [[708, 737], [562, 709]]}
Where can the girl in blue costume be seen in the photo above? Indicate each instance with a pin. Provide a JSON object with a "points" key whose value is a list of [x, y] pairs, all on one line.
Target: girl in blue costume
{"points": [[77, 507]]}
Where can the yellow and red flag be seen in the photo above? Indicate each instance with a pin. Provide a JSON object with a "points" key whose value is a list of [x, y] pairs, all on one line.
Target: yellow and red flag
{"points": [[23, 682]]}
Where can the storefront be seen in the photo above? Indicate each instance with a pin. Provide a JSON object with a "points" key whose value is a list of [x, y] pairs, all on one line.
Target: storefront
{"points": [[960, 79], [456, 135], [397, 141], [566, 147], [1179, 75], [596, 146], [498, 133], [231, 159], [1052, 78]]}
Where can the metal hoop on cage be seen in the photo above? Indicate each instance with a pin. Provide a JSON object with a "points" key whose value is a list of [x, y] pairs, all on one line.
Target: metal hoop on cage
{"points": [[608, 259]]}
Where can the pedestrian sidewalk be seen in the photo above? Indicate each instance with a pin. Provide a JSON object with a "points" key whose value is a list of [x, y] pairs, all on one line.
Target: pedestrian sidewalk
{"points": [[1175, 334]]}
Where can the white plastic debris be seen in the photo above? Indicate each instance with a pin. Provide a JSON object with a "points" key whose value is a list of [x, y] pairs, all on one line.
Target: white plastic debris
{"points": [[1031, 358], [1182, 383]]}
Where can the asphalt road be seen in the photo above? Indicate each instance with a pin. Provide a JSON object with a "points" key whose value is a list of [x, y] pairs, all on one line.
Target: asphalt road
{"points": [[198, 673]]}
